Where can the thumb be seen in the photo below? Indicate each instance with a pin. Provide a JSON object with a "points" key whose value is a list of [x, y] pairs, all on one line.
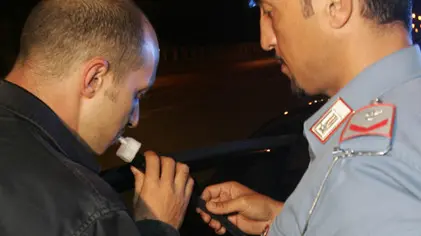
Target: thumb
{"points": [[138, 177], [227, 207]]}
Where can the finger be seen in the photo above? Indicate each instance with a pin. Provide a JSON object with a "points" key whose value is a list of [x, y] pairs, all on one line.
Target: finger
{"points": [[214, 224], [227, 207], [181, 177], [167, 170], [213, 191], [225, 196], [189, 189], [205, 217], [221, 231], [152, 166], [139, 178], [233, 219]]}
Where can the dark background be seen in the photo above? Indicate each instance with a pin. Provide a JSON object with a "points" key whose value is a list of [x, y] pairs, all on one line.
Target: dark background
{"points": [[179, 23], [176, 22]]}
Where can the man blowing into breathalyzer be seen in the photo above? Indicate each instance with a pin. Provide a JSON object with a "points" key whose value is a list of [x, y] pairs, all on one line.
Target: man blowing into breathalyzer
{"points": [[83, 66]]}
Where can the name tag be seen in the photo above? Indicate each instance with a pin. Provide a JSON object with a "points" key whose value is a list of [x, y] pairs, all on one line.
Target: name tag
{"points": [[331, 120]]}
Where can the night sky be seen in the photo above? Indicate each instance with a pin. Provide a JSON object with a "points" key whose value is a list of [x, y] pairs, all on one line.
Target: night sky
{"points": [[214, 21], [176, 22], [198, 22]]}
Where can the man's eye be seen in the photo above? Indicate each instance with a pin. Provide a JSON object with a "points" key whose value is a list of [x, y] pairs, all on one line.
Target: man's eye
{"points": [[268, 13]]}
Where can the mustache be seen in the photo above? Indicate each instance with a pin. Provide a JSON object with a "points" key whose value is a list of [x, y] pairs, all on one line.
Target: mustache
{"points": [[280, 59]]}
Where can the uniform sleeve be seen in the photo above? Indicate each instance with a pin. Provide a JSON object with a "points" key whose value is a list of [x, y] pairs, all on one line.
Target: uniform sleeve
{"points": [[120, 223]]}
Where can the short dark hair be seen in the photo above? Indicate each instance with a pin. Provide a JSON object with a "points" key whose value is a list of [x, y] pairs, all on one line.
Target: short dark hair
{"points": [[388, 11], [59, 33], [381, 11]]}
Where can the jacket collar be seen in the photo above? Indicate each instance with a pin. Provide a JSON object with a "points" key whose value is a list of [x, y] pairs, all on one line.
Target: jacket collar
{"points": [[25, 105]]}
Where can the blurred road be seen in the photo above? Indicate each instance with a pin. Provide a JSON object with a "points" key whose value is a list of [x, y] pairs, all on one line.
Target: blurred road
{"points": [[208, 105]]}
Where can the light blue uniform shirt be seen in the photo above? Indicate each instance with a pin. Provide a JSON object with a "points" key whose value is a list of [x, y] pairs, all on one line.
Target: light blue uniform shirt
{"points": [[364, 195]]}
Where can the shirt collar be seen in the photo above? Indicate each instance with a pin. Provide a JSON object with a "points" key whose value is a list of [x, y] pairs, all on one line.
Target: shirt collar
{"points": [[394, 69], [27, 106]]}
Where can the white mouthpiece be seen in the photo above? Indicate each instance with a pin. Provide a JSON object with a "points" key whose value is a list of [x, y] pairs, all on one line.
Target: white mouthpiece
{"points": [[128, 149]]}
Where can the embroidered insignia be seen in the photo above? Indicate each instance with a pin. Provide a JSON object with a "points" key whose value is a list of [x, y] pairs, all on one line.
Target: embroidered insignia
{"points": [[373, 120], [331, 120]]}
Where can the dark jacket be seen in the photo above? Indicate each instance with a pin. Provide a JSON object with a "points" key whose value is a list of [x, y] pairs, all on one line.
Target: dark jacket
{"points": [[49, 182]]}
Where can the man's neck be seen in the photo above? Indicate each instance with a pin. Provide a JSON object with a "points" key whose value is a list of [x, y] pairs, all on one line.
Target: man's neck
{"points": [[366, 50], [56, 95]]}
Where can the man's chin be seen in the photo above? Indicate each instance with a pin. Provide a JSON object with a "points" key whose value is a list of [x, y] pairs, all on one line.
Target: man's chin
{"points": [[296, 89]]}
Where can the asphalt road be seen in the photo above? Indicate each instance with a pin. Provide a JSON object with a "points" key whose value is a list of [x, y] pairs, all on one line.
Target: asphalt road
{"points": [[209, 105]]}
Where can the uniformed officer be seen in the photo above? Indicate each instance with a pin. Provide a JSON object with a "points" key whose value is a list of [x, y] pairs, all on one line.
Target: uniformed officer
{"points": [[364, 176]]}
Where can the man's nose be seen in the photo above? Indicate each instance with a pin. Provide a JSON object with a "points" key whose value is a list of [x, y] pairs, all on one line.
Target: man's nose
{"points": [[134, 117], [267, 36]]}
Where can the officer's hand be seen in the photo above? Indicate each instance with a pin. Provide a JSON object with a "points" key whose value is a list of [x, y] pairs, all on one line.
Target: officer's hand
{"points": [[163, 192], [252, 211]]}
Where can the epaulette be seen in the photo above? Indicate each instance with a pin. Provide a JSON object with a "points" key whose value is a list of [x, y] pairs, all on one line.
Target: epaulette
{"points": [[369, 131]]}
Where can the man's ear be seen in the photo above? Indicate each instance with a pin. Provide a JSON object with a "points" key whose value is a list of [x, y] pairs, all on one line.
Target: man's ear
{"points": [[94, 76], [340, 12]]}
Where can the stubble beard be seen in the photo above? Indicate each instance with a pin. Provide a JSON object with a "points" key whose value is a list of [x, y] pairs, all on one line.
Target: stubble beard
{"points": [[296, 89]]}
